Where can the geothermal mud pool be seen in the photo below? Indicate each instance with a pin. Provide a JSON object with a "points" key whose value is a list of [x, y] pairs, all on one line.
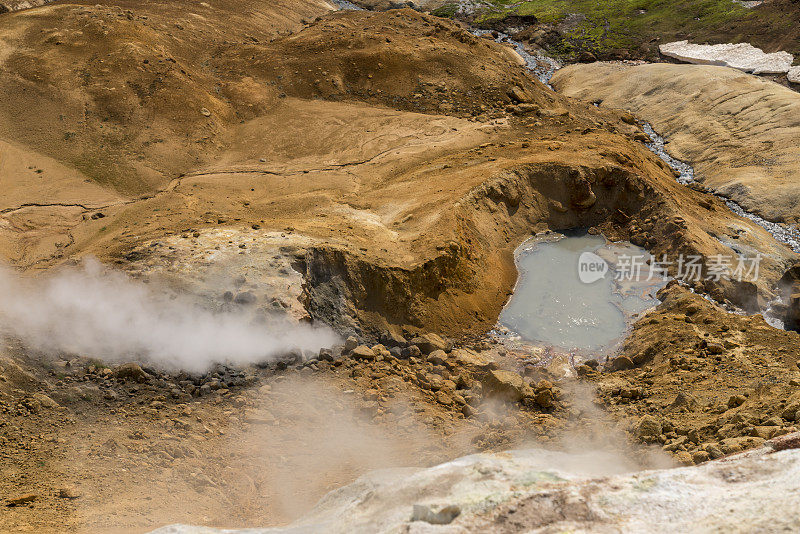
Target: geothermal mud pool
{"points": [[587, 312]]}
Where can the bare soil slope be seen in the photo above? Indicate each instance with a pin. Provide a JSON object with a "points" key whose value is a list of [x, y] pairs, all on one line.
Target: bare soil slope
{"points": [[316, 130], [739, 131], [393, 159]]}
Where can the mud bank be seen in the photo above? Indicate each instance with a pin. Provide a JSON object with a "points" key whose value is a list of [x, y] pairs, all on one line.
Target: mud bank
{"points": [[468, 281]]}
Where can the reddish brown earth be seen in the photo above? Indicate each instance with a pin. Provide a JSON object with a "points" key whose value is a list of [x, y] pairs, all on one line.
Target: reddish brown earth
{"points": [[396, 161]]}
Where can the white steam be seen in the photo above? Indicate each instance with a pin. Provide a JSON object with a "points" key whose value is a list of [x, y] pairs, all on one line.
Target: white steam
{"points": [[94, 312]]}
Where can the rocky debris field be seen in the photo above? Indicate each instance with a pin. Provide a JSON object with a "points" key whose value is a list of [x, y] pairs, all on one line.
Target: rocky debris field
{"points": [[87, 446], [694, 383]]}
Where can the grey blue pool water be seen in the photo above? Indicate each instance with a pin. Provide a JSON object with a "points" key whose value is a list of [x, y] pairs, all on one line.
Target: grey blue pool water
{"points": [[552, 306]]}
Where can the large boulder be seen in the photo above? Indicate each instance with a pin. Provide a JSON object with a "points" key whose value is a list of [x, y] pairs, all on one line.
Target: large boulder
{"points": [[131, 370], [471, 359], [430, 342], [648, 429], [363, 352], [506, 385]]}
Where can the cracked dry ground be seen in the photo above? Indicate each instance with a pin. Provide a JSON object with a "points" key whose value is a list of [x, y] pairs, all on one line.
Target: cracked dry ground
{"points": [[394, 162]]}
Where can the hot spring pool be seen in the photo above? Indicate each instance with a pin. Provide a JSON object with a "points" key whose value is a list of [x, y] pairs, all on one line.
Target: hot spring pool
{"points": [[553, 306]]}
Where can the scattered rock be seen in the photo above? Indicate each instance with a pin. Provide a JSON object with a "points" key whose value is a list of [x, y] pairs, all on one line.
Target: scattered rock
{"points": [[764, 432], [430, 342], [518, 94], [68, 492], [792, 411], [471, 359], [683, 400], [133, 371], [649, 429], [351, 343], [734, 445], [545, 398], [621, 363], [411, 351], [325, 355], [442, 397], [713, 450], [390, 339], [676, 444], [44, 401], [506, 385], [736, 400], [437, 357], [363, 352]]}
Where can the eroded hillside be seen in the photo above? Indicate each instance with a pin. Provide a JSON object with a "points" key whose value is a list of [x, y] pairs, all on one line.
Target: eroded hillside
{"points": [[373, 172], [456, 154]]}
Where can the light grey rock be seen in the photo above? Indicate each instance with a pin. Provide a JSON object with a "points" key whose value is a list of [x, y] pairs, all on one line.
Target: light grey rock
{"points": [[738, 56], [545, 491], [350, 343], [435, 515], [794, 74], [18, 5]]}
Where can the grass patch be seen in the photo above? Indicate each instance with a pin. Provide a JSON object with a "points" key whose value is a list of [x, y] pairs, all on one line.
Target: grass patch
{"points": [[447, 11], [610, 24]]}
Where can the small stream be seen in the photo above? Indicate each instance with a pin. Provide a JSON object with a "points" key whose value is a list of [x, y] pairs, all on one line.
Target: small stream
{"points": [[657, 147], [788, 235], [344, 5], [542, 66]]}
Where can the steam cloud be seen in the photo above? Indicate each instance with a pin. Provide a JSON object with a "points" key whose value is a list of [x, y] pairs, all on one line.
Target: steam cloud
{"points": [[94, 312]]}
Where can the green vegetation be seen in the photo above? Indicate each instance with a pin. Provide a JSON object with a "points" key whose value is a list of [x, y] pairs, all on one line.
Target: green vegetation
{"points": [[599, 25], [447, 11]]}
